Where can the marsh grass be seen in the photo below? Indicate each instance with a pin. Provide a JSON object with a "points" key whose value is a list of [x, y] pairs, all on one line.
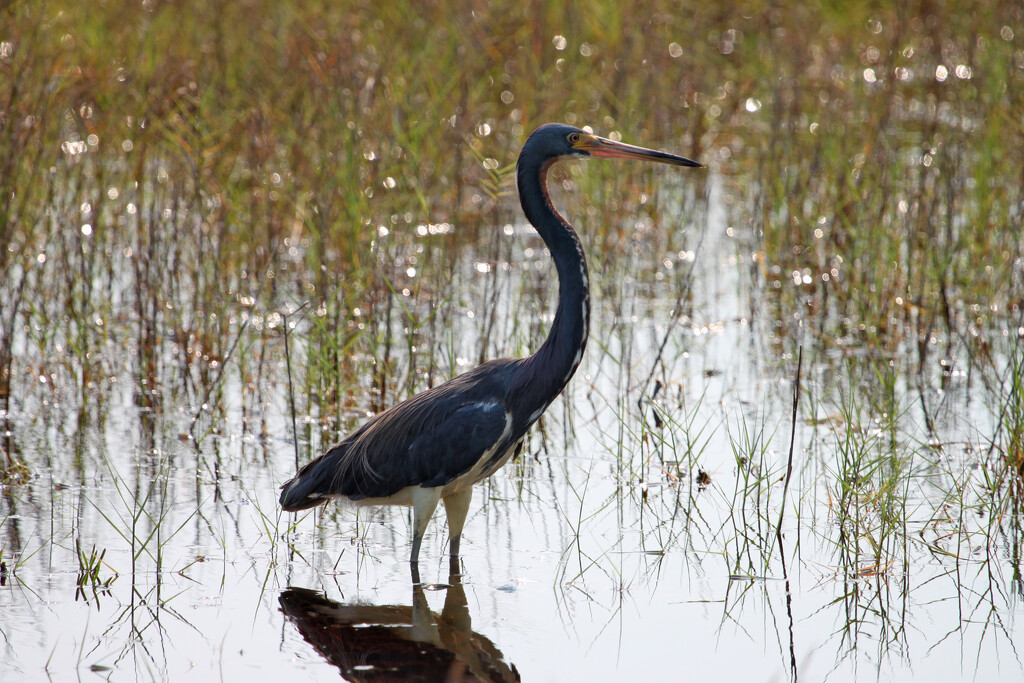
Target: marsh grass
{"points": [[869, 494], [749, 543], [165, 161], [1009, 436], [90, 584]]}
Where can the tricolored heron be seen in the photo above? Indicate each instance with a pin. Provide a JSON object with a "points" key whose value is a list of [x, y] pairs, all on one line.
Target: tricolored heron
{"points": [[434, 446]]}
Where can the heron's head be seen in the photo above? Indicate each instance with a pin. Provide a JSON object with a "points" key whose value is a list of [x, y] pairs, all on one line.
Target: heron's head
{"points": [[554, 141]]}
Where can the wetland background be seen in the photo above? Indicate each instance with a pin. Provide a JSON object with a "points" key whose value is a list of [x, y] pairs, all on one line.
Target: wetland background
{"points": [[231, 230]]}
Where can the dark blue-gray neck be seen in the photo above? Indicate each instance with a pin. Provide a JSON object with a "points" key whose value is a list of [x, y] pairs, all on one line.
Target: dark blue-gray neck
{"points": [[543, 375]]}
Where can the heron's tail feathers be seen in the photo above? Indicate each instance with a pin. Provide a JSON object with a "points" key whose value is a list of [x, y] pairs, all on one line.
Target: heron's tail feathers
{"points": [[313, 485]]}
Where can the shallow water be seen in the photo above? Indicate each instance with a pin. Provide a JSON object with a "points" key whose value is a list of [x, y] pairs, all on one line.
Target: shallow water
{"points": [[596, 556]]}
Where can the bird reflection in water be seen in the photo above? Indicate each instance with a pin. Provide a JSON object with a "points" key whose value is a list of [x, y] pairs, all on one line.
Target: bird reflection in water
{"points": [[398, 642]]}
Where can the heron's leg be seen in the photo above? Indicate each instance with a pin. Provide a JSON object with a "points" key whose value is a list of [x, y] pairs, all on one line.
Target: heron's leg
{"points": [[424, 502], [456, 507]]}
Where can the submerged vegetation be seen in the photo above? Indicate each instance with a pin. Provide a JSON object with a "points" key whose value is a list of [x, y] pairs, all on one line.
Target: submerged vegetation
{"points": [[229, 232]]}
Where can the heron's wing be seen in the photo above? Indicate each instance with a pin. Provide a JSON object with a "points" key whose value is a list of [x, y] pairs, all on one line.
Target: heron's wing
{"points": [[428, 440], [452, 447]]}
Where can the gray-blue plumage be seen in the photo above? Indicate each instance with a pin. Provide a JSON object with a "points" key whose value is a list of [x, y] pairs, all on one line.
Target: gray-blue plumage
{"points": [[437, 444], [428, 440]]}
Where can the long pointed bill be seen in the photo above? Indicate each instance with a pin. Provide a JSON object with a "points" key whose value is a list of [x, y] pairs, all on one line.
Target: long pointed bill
{"points": [[603, 147]]}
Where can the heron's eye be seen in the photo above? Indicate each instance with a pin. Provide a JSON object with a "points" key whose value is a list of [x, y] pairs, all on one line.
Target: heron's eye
{"points": [[574, 138]]}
